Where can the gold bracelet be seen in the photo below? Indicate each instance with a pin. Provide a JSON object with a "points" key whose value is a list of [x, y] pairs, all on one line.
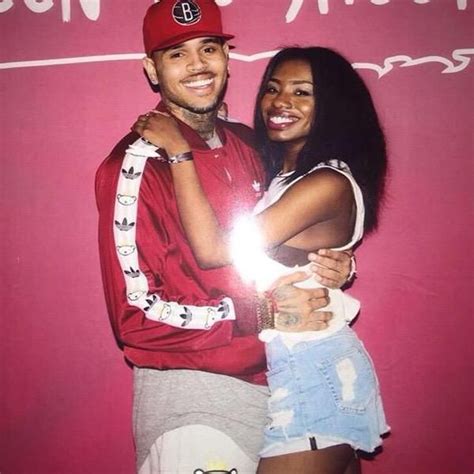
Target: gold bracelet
{"points": [[187, 156], [265, 313]]}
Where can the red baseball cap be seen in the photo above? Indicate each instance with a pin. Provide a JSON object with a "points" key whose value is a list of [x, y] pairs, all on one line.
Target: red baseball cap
{"points": [[171, 22]]}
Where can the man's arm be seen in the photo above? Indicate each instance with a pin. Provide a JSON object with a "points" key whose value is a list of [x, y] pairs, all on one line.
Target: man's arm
{"points": [[133, 248]]}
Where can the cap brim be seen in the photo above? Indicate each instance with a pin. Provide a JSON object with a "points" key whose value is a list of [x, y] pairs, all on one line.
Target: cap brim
{"points": [[188, 36]]}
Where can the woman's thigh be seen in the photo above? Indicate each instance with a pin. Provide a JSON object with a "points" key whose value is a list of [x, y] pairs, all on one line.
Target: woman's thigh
{"points": [[339, 459]]}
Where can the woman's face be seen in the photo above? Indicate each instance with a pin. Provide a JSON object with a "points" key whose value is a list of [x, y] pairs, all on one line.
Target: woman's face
{"points": [[288, 103]]}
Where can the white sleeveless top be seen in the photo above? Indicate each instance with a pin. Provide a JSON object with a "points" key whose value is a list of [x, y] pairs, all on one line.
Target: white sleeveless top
{"points": [[343, 306]]}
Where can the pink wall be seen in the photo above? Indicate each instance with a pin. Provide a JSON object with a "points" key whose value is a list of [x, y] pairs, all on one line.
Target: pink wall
{"points": [[65, 389]]}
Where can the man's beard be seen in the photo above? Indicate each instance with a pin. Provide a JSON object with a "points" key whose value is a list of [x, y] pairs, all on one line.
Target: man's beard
{"points": [[212, 107], [203, 110]]}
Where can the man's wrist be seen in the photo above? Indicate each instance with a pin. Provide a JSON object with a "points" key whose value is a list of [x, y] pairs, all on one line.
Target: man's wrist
{"points": [[176, 146], [265, 311], [180, 157]]}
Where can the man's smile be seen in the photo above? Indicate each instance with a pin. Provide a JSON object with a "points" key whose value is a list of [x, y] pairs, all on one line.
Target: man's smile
{"points": [[199, 83]]}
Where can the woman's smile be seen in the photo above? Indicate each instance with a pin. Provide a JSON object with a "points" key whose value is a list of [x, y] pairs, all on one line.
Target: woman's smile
{"points": [[280, 121]]}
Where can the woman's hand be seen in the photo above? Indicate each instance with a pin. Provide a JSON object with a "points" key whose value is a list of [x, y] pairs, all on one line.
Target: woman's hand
{"points": [[332, 268], [298, 309], [162, 130]]}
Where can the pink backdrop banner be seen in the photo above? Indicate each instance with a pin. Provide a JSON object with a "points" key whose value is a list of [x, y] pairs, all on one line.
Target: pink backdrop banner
{"points": [[71, 85]]}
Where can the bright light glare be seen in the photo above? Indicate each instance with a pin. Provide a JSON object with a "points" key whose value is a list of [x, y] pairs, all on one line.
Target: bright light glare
{"points": [[248, 254]]}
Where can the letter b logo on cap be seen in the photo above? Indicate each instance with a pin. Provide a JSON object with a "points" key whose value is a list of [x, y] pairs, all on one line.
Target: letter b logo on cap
{"points": [[186, 12]]}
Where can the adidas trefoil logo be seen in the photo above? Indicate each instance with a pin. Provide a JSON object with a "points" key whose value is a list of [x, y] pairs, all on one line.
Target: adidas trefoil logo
{"points": [[186, 316], [130, 174], [124, 225], [223, 309], [132, 273], [151, 301]]}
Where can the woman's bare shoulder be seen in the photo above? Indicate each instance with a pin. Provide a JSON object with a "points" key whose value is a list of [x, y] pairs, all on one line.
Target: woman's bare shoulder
{"points": [[323, 183]]}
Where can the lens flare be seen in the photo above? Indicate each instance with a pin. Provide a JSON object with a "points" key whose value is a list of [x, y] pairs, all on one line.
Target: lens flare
{"points": [[248, 254]]}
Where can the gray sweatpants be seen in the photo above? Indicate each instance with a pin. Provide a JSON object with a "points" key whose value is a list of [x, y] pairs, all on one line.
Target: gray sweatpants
{"points": [[213, 407]]}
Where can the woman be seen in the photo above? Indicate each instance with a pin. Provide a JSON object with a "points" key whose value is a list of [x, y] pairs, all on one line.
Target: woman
{"points": [[324, 152]]}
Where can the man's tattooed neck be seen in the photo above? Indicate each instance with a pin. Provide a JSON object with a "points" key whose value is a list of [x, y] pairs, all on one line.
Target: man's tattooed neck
{"points": [[203, 124]]}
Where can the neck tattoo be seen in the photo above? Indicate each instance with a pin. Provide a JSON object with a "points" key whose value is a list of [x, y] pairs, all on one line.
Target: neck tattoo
{"points": [[204, 124]]}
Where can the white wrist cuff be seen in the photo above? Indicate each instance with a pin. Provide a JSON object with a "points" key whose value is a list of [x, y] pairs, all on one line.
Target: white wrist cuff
{"points": [[353, 271], [142, 147]]}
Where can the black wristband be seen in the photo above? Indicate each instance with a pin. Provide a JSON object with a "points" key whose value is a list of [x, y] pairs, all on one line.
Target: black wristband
{"points": [[187, 156]]}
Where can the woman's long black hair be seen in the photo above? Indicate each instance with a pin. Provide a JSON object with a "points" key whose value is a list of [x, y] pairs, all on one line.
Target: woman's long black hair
{"points": [[345, 127]]}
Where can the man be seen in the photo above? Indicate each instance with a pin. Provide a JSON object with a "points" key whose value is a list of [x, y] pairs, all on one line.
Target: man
{"points": [[199, 368]]}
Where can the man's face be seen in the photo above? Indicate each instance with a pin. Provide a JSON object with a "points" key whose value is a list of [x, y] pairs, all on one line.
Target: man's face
{"points": [[192, 75]]}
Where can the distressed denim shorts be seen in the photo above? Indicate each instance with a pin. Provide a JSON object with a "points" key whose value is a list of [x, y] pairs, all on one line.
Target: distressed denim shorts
{"points": [[323, 393]]}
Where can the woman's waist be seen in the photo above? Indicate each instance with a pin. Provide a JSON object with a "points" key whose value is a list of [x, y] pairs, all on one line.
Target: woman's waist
{"points": [[291, 339], [279, 354]]}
